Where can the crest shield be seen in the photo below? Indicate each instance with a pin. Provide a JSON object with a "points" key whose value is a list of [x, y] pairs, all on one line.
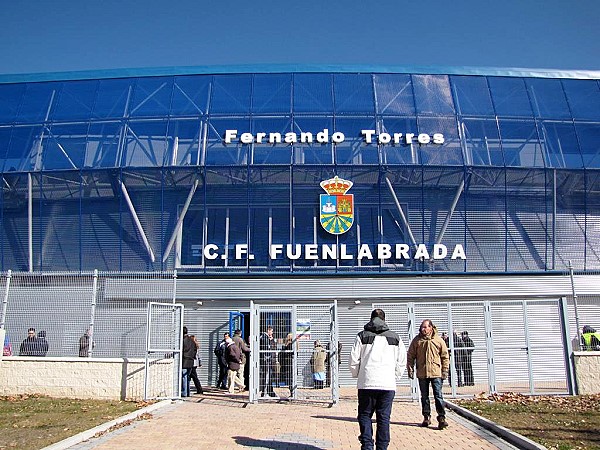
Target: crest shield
{"points": [[337, 207]]}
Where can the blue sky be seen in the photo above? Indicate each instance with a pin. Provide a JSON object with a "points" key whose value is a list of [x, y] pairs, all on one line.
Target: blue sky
{"points": [[68, 35]]}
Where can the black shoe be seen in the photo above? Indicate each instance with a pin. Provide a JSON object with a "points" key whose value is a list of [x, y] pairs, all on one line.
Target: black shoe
{"points": [[442, 423], [426, 421], [272, 394]]}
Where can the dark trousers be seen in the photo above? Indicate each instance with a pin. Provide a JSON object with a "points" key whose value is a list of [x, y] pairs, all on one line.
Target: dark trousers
{"points": [[379, 402], [266, 377], [194, 377], [185, 382], [468, 370], [222, 381], [436, 385]]}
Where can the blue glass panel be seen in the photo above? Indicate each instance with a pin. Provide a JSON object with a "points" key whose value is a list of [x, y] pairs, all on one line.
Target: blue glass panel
{"points": [[238, 234], [589, 142], [183, 142], [548, 98], [472, 95], [217, 153], [145, 144], [265, 153], [216, 229], [5, 133], [23, 148], [432, 95], [353, 93], [65, 146], [312, 153], [103, 144], [11, 96], [394, 94], [191, 237], [450, 151], [272, 93], [112, 98], [38, 102], [313, 93], [482, 142], [75, 101], [231, 94], [151, 97], [510, 97], [560, 144], [354, 150], [520, 143], [401, 153], [584, 98], [190, 95]]}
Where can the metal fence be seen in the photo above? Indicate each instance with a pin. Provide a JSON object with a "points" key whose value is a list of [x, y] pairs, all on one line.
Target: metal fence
{"points": [[83, 314]]}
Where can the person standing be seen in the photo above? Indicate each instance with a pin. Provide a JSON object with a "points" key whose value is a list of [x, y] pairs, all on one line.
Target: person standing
{"points": [[29, 344], [187, 362], [317, 360], [85, 343], [590, 338], [377, 360], [468, 359], [430, 354], [244, 349], [286, 362], [41, 344], [267, 359], [219, 352], [459, 358]]}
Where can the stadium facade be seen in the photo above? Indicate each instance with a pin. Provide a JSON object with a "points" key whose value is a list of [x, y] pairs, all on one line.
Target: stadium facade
{"points": [[458, 194]]}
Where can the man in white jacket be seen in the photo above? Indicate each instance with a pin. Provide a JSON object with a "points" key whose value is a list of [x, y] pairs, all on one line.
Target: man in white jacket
{"points": [[378, 360]]}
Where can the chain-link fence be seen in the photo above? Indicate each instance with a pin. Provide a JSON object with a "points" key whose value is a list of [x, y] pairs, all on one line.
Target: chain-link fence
{"points": [[80, 314]]}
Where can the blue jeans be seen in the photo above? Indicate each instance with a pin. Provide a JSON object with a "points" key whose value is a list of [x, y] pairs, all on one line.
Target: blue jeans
{"points": [[185, 382], [436, 385], [379, 402]]}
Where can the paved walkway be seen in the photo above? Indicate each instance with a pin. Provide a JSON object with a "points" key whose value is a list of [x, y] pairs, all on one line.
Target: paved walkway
{"points": [[218, 420]]}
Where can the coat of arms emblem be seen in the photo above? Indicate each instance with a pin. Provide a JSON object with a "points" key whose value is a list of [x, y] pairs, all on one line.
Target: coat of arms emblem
{"points": [[337, 207]]}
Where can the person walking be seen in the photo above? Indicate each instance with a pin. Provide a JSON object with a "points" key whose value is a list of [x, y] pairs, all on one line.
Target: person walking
{"points": [[197, 365], [233, 355], [86, 343], [377, 360], [29, 344], [590, 338], [430, 354], [187, 363], [244, 349]]}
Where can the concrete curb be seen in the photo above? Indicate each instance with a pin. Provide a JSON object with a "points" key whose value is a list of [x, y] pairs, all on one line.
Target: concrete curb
{"points": [[88, 434], [510, 436]]}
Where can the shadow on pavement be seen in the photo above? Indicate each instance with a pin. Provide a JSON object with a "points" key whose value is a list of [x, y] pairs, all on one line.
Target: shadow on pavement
{"points": [[281, 445]]}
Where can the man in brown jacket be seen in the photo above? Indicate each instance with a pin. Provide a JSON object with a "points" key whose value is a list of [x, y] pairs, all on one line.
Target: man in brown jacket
{"points": [[430, 353]]}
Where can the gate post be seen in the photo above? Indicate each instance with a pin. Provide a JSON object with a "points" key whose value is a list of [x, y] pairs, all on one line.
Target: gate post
{"points": [[567, 347], [93, 313], [489, 343], [411, 334], [254, 352], [5, 301], [333, 356]]}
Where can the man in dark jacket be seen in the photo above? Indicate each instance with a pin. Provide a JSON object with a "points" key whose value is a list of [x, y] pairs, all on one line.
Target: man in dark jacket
{"points": [[187, 364], [219, 352], [233, 355], [244, 349], [468, 358], [29, 344], [268, 358], [590, 338]]}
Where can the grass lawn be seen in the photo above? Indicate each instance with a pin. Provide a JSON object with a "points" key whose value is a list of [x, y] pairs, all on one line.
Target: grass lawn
{"points": [[556, 422], [33, 422]]}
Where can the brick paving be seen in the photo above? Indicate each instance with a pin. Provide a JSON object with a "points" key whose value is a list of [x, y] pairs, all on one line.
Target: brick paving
{"points": [[218, 420]]}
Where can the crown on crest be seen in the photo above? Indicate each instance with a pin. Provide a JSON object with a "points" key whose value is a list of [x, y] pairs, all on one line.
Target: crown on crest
{"points": [[336, 186]]}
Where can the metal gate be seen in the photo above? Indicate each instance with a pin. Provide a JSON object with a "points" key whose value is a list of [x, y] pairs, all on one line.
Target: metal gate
{"points": [[164, 339], [299, 361], [495, 346]]}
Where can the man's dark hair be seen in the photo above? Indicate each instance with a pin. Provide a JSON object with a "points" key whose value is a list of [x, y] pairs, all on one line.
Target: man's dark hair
{"points": [[269, 327], [31, 329], [378, 313], [238, 331], [184, 330]]}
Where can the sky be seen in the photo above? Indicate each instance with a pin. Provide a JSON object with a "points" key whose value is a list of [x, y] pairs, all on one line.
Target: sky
{"points": [[67, 35]]}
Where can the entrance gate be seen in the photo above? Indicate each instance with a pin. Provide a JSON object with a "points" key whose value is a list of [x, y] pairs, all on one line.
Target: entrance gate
{"points": [[282, 368], [164, 338], [495, 346]]}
